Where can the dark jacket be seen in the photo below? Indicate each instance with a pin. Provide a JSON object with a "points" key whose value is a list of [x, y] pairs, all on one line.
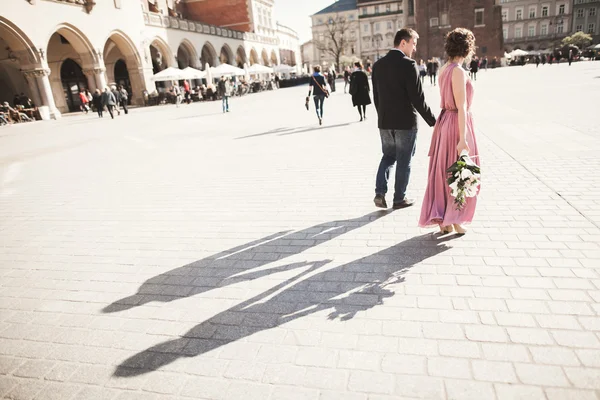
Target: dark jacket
{"points": [[321, 82], [398, 93], [359, 88]]}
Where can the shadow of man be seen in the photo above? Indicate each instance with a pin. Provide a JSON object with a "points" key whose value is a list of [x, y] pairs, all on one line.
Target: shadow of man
{"points": [[345, 290], [227, 268]]}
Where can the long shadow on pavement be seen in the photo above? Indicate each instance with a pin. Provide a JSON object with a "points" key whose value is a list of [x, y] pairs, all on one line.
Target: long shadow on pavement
{"points": [[292, 131], [345, 290], [224, 268]]}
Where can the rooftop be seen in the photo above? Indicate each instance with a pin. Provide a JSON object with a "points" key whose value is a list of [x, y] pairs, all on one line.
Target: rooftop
{"points": [[339, 6]]}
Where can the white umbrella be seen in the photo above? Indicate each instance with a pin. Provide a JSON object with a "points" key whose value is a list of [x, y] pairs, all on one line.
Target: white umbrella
{"points": [[193, 73], [259, 69], [284, 68], [226, 69], [594, 47], [518, 53], [169, 74]]}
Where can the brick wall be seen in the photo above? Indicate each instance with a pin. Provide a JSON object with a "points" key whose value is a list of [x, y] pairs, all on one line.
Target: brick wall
{"points": [[232, 14], [461, 13]]}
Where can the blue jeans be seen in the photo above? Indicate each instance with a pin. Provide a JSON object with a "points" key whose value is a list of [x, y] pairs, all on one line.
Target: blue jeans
{"points": [[319, 100], [225, 103], [398, 147]]}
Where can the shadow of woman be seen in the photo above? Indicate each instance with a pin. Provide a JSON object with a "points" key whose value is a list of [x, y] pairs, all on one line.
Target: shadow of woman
{"points": [[345, 290]]}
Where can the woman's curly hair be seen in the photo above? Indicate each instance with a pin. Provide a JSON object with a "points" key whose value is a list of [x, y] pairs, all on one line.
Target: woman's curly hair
{"points": [[460, 42]]}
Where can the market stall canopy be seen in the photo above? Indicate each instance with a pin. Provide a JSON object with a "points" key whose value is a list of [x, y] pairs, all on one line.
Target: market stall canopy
{"points": [[226, 69], [169, 74], [193, 73], [259, 69]]}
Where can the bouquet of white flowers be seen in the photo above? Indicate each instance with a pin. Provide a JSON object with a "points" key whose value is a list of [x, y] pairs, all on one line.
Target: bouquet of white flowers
{"points": [[464, 178]]}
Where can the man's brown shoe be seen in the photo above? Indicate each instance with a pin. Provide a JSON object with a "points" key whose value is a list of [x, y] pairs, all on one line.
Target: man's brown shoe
{"points": [[379, 201], [403, 204]]}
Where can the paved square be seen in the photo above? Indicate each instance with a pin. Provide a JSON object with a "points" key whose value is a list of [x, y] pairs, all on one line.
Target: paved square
{"points": [[185, 253]]}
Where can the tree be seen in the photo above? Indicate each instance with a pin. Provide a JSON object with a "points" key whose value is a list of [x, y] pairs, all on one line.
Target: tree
{"points": [[579, 39], [336, 39]]}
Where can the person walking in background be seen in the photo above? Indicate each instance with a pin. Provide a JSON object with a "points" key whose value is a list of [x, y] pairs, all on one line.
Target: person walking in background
{"points": [[453, 134], [124, 99], [177, 93], [537, 61], [97, 102], [570, 56], [435, 66], [484, 63], [359, 89], [224, 89], [474, 67], [108, 100], [317, 87], [398, 95], [422, 71], [429, 69], [187, 92], [84, 102], [346, 78], [117, 95]]}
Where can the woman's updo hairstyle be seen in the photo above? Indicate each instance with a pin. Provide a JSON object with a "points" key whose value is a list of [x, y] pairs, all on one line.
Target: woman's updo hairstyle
{"points": [[460, 42]]}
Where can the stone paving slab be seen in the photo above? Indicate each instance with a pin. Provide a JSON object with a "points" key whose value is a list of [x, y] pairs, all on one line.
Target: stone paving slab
{"points": [[182, 253]]}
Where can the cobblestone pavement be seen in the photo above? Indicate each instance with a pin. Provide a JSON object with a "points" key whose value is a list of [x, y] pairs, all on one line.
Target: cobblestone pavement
{"points": [[184, 253]]}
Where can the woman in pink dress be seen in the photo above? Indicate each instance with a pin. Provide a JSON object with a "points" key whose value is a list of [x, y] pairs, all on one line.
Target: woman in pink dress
{"points": [[452, 134]]}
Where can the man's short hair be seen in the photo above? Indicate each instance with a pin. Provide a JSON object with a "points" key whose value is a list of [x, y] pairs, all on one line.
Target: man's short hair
{"points": [[405, 34], [317, 68]]}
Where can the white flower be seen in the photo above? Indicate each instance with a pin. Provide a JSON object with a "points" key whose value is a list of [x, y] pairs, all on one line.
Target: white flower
{"points": [[454, 186], [466, 174]]}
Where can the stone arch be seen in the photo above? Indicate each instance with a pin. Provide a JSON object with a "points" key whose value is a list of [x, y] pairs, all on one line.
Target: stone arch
{"points": [[123, 65], [240, 57], [274, 58], [187, 55], [226, 56], [253, 57], [265, 57], [68, 43], [208, 55], [161, 55], [20, 54]]}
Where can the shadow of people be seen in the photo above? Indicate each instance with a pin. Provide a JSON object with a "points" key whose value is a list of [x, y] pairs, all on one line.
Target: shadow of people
{"points": [[225, 268], [293, 131], [345, 290]]}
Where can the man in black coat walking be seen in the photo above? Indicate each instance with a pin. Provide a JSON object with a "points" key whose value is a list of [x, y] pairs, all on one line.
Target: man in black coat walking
{"points": [[398, 95]]}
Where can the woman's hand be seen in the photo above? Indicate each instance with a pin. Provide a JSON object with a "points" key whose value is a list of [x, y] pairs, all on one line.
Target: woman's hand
{"points": [[462, 146]]}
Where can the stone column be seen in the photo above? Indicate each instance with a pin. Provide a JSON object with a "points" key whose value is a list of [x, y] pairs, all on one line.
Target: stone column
{"points": [[43, 91], [96, 76]]}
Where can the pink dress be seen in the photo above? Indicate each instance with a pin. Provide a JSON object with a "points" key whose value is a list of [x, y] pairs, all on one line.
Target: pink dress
{"points": [[438, 205]]}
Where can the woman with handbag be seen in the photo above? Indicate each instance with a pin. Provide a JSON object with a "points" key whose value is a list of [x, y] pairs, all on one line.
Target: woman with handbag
{"points": [[317, 86], [359, 89]]}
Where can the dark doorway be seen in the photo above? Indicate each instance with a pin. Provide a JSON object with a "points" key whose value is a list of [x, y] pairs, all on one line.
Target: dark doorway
{"points": [[122, 76], [73, 81]]}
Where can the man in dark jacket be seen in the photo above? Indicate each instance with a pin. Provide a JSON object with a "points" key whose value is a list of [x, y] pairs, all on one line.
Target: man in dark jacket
{"points": [[398, 95], [117, 95], [109, 101]]}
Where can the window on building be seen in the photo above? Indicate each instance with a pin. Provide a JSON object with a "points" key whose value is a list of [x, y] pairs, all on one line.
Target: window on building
{"points": [[505, 33], [518, 32], [531, 31], [433, 22], [579, 28], [411, 8], [388, 8], [479, 17], [389, 25], [519, 14], [561, 9], [366, 27], [532, 12], [591, 28], [560, 28], [544, 29], [365, 11], [544, 11], [592, 12], [504, 15], [376, 9], [377, 25], [580, 13], [444, 19]]}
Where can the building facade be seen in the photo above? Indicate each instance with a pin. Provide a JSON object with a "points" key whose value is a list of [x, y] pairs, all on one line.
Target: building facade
{"points": [[52, 49], [308, 52], [341, 10], [379, 21], [586, 18], [435, 18], [535, 24], [290, 52]]}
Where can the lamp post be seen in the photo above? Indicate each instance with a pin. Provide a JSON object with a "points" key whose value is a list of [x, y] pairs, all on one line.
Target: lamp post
{"points": [[558, 21]]}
